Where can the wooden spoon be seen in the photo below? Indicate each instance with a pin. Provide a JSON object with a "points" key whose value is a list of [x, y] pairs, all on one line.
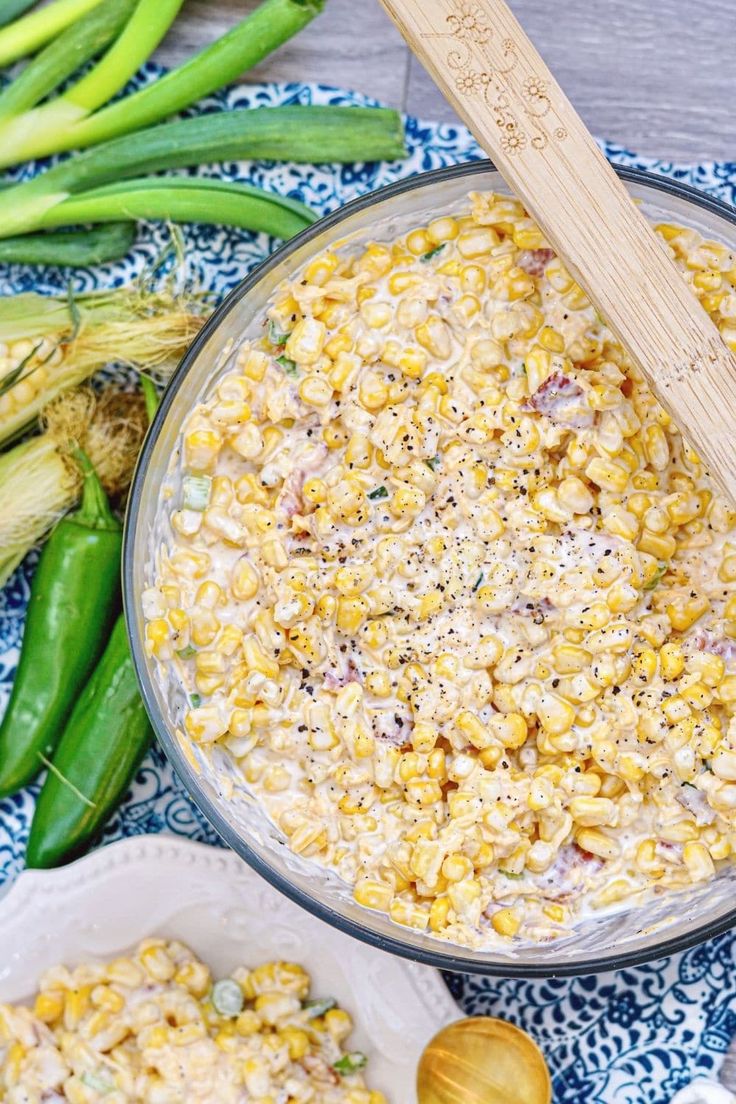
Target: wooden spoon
{"points": [[482, 1061], [491, 73]]}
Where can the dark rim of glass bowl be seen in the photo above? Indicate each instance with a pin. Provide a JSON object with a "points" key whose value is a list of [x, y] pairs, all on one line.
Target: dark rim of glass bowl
{"points": [[443, 956]]}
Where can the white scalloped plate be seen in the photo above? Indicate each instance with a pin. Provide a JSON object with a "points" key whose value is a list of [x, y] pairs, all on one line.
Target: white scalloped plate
{"points": [[103, 904]]}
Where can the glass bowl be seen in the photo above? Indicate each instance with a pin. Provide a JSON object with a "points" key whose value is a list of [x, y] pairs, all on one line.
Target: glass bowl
{"points": [[667, 923]]}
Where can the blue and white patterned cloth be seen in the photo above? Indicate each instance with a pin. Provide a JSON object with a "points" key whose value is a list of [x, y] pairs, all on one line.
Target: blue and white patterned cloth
{"points": [[632, 1037]]}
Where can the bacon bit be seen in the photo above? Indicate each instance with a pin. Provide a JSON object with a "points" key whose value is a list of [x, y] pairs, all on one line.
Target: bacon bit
{"points": [[562, 401], [319, 1069], [290, 501], [707, 641], [565, 878], [534, 261]]}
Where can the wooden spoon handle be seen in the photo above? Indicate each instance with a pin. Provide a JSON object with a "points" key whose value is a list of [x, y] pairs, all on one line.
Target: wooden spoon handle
{"points": [[488, 69]]}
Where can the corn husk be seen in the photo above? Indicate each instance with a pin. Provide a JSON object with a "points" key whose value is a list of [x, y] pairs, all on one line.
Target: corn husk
{"points": [[39, 481], [49, 344]]}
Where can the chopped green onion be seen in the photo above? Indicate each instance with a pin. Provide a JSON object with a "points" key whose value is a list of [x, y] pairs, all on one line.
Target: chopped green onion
{"points": [[380, 492], [196, 492], [289, 366], [432, 253], [195, 700], [477, 582], [510, 874], [227, 997], [187, 653], [275, 336], [318, 1007], [433, 464], [657, 577], [99, 1084], [350, 1063]]}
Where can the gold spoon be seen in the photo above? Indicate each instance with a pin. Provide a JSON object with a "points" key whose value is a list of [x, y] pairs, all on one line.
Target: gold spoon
{"points": [[482, 1061]]}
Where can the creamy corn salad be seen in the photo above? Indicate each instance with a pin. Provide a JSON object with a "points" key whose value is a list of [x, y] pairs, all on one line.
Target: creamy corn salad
{"points": [[452, 590], [154, 1028]]}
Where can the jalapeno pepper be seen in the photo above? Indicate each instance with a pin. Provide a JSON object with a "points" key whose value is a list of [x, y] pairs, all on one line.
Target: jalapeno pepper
{"points": [[75, 595], [102, 744]]}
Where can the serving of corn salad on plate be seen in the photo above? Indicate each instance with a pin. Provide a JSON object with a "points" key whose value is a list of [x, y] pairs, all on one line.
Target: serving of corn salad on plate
{"points": [[451, 590], [204, 985]]}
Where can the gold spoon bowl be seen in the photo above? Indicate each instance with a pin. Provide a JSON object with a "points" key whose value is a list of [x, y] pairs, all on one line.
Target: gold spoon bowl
{"points": [[482, 1060]]}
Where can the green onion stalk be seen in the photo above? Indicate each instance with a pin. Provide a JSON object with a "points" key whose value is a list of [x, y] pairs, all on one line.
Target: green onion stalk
{"points": [[69, 51], [72, 120], [27, 35], [138, 39], [96, 186]]}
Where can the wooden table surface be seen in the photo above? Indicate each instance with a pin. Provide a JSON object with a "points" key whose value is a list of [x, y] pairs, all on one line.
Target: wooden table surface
{"points": [[655, 75]]}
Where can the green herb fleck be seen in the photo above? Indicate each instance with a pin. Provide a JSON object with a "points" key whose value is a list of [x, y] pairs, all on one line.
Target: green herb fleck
{"points": [[690, 784], [380, 492], [350, 1063], [433, 464], [276, 336], [195, 700], [289, 366], [315, 1008], [657, 577], [196, 492], [510, 874], [432, 253], [477, 582], [186, 653]]}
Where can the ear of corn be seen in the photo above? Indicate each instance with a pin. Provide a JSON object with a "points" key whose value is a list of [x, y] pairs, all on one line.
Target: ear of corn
{"points": [[49, 344], [39, 480]]}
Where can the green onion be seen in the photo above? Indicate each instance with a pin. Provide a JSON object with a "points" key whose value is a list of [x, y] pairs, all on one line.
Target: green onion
{"points": [[510, 874], [318, 1007], [195, 700], [73, 248], [227, 997], [28, 34], [298, 133], [40, 131], [380, 492], [11, 9], [432, 253], [55, 127], [433, 464], [656, 579], [186, 199], [186, 653], [99, 1084], [68, 52], [275, 336], [350, 1063], [196, 492], [477, 582], [289, 366]]}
